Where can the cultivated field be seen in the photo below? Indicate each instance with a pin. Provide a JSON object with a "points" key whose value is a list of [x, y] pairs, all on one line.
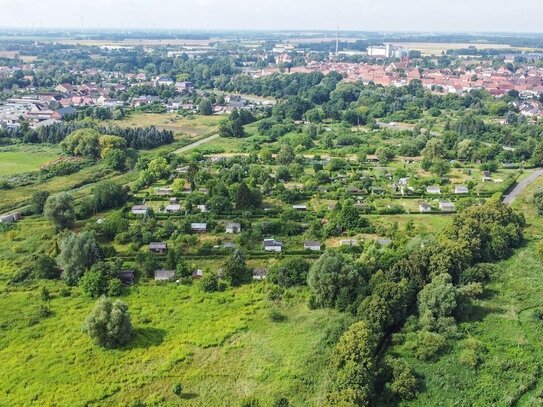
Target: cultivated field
{"points": [[436, 48]]}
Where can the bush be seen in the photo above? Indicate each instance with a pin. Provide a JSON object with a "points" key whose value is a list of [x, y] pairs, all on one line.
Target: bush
{"points": [[65, 292], [250, 402], [114, 287], [211, 283], [281, 402], [276, 316], [404, 383], [429, 345], [472, 355], [177, 389]]}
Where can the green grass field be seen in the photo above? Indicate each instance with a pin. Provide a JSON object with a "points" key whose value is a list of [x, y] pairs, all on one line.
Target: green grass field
{"points": [[17, 159], [223, 348], [195, 126]]}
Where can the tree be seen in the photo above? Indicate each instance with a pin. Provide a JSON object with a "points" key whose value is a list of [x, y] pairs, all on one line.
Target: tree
{"points": [[82, 142], [158, 168], [537, 155], [235, 270], [353, 367], [45, 267], [59, 209], [211, 283], [109, 323], [384, 154], [109, 194], [116, 159], [37, 201], [437, 303], [245, 198], [286, 154], [233, 126], [333, 282], [78, 252], [290, 272], [95, 282], [108, 143], [404, 383], [205, 108]]}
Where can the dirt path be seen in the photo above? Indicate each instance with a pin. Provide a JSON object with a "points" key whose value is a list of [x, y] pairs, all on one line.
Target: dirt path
{"points": [[521, 186], [190, 146]]}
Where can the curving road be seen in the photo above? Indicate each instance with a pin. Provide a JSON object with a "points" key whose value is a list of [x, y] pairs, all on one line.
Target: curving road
{"points": [[521, 186]]}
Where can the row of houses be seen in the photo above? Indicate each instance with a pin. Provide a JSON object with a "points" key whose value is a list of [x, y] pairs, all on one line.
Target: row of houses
{"points": [[436, 190], [269, 245], [163, 275]]}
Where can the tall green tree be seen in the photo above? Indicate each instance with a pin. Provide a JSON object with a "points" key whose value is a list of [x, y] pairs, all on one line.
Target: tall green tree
{"points": [[109, 323], [235, 270], [78, 252], [59, 209], [37, 201]]}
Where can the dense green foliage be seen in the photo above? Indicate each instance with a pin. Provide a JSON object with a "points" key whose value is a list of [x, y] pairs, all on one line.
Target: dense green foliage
{"points": [[109, 323]]}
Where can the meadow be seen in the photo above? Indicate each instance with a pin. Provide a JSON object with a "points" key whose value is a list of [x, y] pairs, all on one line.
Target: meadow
{"points": [[193, 126], [223, 348], [24, 158]]}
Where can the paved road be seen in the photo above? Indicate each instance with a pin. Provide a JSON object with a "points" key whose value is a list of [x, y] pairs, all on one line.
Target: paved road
{"points": [[509, 198], [190, 146]]}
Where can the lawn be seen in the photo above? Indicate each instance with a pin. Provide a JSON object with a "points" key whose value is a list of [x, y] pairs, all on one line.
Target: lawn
{"points": [[222, 347], [18, 159]]}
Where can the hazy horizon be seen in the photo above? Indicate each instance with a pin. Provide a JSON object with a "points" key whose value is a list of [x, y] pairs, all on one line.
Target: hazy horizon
{"points": [[462, 16]]}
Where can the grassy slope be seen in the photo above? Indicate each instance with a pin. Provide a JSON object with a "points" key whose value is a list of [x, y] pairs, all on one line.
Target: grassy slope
{"points": [[511, 371]]}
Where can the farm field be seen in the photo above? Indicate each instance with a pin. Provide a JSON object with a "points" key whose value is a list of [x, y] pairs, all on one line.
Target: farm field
{"points": [[431, 48], [16, 159]]}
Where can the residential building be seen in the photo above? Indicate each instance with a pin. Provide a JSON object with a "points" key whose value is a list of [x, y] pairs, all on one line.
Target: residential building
{"points": [[260, 274], [461, 189], [164, 275], [446, 206], [312, 245], [158, 247], [198, 227], [424, 208], [233, 227], [139, 210], [272, 245]]}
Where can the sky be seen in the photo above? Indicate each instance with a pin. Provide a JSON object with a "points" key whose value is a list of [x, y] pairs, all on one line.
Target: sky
{"points": [[359, 15]]}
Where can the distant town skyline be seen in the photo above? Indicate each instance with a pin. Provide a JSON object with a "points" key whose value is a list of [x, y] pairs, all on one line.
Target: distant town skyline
{"points": [[350, 15]]}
